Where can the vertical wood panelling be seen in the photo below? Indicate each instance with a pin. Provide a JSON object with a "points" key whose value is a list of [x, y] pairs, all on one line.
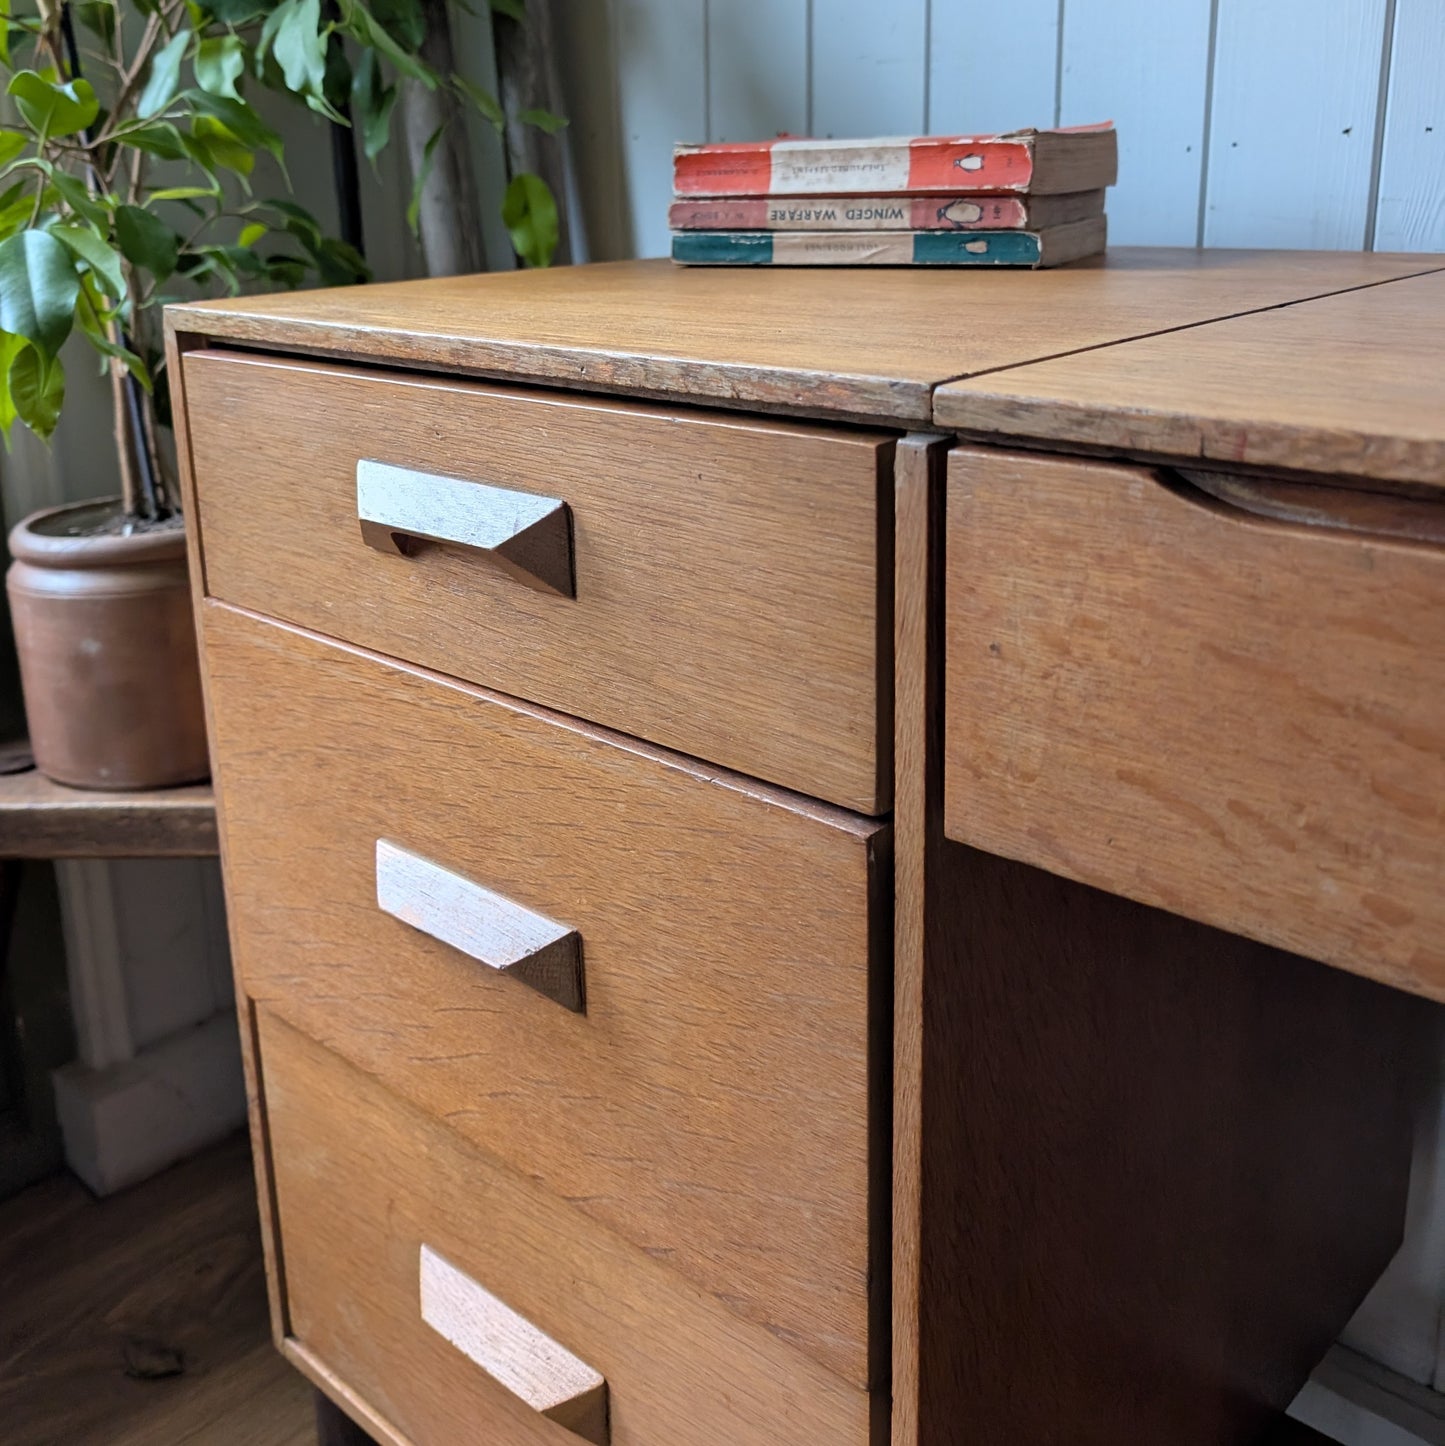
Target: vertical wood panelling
{"points": [[757, 53], [868, 67], [992, 67], [1153, 88], [1411, 212], [1296, 87], [662, 99]]}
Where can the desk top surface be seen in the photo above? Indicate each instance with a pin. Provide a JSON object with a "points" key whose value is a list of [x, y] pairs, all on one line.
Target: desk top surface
{"points": [[854, 344], [1351, 385]]}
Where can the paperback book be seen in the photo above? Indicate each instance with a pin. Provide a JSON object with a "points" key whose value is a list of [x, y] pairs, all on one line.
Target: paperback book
{"points": [[1041, 163], [1050, 247], [886, 213]]}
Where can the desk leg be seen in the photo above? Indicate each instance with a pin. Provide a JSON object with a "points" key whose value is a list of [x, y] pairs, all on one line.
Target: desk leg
{"points": [[334, 1427]]}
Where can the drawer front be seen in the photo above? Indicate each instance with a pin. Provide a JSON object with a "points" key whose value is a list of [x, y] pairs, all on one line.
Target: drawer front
{"points": [[710, 583], [462, 1303], [641, 984], [1237, 719]]}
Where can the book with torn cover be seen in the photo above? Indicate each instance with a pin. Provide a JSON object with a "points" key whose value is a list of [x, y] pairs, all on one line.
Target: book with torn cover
{"points": [[1050, 247], [1047, 162], [886, 213]]}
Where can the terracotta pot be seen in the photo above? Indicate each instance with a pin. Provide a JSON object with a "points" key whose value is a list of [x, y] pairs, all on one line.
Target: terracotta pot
{"points": [[107, 649]]}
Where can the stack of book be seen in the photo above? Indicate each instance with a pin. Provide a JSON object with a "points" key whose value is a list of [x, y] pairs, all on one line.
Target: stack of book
{"points": [[1026, 198]]}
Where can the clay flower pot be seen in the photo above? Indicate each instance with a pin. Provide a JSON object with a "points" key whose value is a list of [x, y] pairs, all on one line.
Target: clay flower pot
{"points": [[107, 650]]}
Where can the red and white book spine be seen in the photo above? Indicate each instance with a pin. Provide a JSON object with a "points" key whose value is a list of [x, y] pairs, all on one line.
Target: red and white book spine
{"points": [[919, 165], [850, 213]]}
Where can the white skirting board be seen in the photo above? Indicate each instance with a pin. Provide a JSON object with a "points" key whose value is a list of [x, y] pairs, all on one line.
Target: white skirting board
{"points": [[159, 1072], [1358, 1403], [128, 1121]]}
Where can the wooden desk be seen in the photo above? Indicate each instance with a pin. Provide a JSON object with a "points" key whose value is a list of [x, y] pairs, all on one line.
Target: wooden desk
{"points": [[928, 886]]}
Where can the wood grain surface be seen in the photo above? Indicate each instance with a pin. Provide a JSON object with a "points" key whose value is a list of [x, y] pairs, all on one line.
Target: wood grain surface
{"points": [[355, 1164], [140, 1320], [712, 1104], [44, 820], [1236, 719], [918, 727], [1164, 1163], [1351, 385], [861, 345], [729, 573]]}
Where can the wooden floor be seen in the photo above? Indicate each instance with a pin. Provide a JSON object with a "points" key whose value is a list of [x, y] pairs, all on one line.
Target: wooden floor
{"points": [[141, 1320]]}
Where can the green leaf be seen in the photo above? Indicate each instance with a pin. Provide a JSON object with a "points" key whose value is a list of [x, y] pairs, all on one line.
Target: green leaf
{"points": [[219, 63], [156, 138], [37, 390], [239, 118], [146, 241], [516, 9], [403, 20], [96, 335], [418, 185], [251, 234], [183, 193], [16, 204], [339, 263], [10, 347], [359, 22], [53, 110], [485, 101], [164, 79], [301, 222], [38, 289], [103, 261], [299, 45], [223, 146], [74, 193], [11, 144], [544, 120], [530, 215], [372, 102]]}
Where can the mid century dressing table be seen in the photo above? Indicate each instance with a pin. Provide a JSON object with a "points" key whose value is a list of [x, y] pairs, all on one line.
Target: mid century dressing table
{"points": [[828, 858]]}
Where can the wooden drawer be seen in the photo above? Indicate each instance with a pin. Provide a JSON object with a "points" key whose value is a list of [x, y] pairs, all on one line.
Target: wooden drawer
{"points": [[1239, 719], [390, 1227], [730, 574], [710, 1102]]}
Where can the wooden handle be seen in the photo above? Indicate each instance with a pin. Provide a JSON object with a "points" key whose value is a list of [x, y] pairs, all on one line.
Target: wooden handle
{"points": [[529, 536], [543, 954], [509, 1348]]}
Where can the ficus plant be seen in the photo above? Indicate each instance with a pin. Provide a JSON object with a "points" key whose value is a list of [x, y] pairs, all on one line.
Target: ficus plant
{"points": [[132, 164]]}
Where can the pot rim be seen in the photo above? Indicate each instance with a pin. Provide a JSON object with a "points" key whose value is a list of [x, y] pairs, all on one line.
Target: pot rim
{"points": [[44, 550]]}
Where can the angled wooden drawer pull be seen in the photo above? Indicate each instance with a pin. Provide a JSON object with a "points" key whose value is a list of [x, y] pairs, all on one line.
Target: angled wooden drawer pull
{"points": [[538, 951], [529, 536], [509, 1348]]}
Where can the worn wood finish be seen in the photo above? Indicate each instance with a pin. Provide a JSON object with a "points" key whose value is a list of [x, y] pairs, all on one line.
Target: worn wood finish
{"points": [[712, 1103], [176, 348], [540, 1372], [356, 1164], [1142, 1208], [918, 575], [1237, 719], [1350, 386], [101, 1298], [867, 346], [672, 514], [45, 820]]}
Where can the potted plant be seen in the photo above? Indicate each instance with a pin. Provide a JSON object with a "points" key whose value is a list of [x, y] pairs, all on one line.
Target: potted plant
{"points": [[129, 167]]}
